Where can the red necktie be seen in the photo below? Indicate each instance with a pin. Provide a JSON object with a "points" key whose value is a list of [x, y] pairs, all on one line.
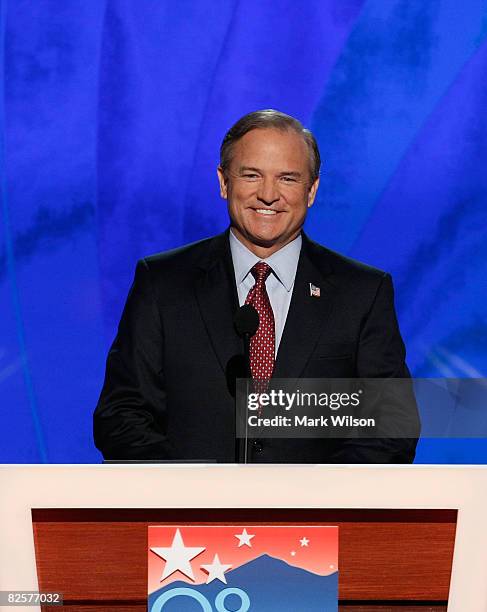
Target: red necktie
{"points": [[262, 343]]}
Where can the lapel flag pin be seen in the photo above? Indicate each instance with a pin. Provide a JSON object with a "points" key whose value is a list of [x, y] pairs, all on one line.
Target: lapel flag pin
{"points": [[314, 291]]}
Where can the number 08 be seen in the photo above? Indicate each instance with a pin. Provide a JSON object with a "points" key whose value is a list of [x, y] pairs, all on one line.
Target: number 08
{"points": [[201, 599]]}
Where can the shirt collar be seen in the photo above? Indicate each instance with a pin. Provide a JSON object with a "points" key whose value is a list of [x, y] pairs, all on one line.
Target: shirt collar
{"points": [[284, 262]]}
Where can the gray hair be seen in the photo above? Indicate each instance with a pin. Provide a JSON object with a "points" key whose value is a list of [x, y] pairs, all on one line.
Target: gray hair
{"points": [[274, 119]]}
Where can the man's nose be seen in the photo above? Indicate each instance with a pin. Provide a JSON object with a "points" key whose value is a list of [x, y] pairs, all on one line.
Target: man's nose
{"points": [[268, 191]]}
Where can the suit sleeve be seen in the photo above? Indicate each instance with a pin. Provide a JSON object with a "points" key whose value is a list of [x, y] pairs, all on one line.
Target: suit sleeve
{"points": [[131, 411], [381, 354]]}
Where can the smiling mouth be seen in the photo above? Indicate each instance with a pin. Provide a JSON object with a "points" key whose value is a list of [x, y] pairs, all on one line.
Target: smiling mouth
{"points": [[265, 211]]}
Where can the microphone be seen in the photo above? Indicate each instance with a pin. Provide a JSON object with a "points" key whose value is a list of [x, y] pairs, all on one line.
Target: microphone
{"points": [[246, 320]]}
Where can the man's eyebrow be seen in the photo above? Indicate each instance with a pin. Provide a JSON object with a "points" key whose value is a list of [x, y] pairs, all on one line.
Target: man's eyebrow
{"points": [[247, 169], [291, 173], [294, 173]]}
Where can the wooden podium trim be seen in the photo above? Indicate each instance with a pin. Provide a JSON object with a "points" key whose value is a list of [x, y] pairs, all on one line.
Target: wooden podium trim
{"points": [[97, 556]]}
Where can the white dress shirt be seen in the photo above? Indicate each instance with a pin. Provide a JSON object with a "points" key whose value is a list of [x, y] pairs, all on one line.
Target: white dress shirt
{"points": [[279, 284]]}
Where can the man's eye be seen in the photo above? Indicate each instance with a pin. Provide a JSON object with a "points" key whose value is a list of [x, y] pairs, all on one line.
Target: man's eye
{"points": [[250, 176], [288, 179]]}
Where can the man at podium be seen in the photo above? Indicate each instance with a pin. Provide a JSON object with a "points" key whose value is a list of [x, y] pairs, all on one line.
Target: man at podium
{"points": [[169, 385]]}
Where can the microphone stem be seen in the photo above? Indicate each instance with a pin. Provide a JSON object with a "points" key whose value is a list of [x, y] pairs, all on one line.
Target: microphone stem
{"points": [[246, 343], [243, 444]]}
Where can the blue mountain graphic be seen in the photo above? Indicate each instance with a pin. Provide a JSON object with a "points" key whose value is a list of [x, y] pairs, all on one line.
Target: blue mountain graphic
{"points": [[271, 584]]}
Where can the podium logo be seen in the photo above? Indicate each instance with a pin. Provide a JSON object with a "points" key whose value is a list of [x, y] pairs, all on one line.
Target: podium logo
{"points": [[242, 567]]}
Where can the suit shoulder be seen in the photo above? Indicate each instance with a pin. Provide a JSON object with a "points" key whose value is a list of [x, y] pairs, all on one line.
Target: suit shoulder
{"points": [[343, 266], [185, 256]]}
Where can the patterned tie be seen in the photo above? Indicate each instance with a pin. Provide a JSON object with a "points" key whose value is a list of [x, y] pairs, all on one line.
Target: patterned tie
{"points": [[262, 343]]}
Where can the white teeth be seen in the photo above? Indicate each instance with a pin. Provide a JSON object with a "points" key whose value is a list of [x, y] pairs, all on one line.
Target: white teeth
{"points": [[265, 211]]}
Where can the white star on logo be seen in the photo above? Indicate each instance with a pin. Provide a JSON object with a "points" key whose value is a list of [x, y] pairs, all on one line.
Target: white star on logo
{"points": [[216, 570], [304, 541], [178, 557], [293, 553], [244, 539]]}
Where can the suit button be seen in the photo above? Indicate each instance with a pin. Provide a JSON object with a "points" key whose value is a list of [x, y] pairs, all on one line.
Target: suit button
{"points": [[258, 446]]}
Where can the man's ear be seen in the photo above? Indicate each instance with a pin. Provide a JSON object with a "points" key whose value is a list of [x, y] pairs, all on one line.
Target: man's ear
{"points": [[312, 192], [223, 182]]}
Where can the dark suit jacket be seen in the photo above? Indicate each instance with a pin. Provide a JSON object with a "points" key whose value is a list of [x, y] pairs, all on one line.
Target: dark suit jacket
{"points": [[167, 390]]}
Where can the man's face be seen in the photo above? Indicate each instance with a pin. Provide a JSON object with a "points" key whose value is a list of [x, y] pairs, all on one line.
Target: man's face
{"points": [[268, 189]]}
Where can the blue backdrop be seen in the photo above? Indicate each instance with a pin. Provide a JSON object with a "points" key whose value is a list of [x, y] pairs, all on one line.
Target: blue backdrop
{"points": [[111, 116]]}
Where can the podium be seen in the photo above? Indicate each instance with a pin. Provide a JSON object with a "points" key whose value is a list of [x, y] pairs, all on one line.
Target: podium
{"points": [[411, 537]]}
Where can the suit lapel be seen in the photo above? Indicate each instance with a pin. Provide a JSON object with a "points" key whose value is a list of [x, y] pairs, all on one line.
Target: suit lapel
{"points": [[307, 314], [217, 298]]}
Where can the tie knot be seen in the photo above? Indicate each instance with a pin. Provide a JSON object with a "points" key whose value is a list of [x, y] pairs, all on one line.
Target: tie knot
{"points": [[261, 271]]}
